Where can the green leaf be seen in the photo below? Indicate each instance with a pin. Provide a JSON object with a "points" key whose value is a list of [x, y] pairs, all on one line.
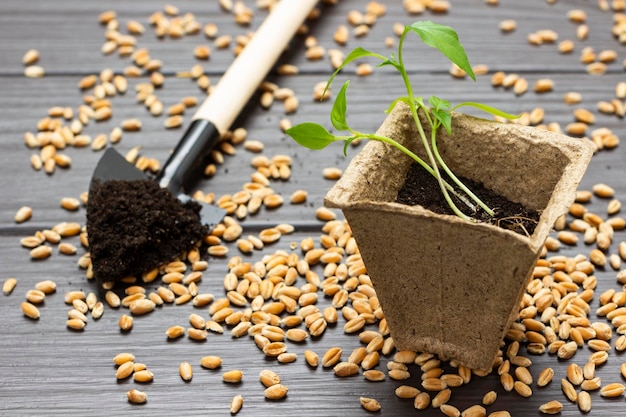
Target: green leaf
{"points": [[438, 103], [444, 117], [487, 109], [389, 61], [355, 54], [441, 112], [311, 135], [446, 40], [338, 113]]}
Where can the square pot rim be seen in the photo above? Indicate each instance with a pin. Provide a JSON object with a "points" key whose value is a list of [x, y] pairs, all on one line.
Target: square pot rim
{"points": [[577, 151]]}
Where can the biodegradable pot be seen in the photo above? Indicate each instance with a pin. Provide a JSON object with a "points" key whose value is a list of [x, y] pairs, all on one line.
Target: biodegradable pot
{"points": [[448, 286]]}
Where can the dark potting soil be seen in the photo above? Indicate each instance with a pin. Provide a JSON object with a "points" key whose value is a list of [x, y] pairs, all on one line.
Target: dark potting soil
{"points": [[421, 188], [135, 226]]}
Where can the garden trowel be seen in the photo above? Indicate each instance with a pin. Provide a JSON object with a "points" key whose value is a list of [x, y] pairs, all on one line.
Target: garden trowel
{"points": [[214, 117]]}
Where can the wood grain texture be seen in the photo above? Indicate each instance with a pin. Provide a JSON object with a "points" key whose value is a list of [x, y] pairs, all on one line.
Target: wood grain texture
{"points": [[48, 370]]}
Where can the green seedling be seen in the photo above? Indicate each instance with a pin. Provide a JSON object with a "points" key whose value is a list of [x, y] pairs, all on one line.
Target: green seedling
{"points": [[437, 112]]}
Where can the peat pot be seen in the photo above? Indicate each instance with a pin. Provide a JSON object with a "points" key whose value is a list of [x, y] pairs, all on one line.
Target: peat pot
{"points": [[448, 286]]}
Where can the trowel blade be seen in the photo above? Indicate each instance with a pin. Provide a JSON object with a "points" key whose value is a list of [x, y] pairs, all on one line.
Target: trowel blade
{"points": [[113, 166]]}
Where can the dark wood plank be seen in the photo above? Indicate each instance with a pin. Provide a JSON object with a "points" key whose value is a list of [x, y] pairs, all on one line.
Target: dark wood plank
{"points": [[48, 370]]}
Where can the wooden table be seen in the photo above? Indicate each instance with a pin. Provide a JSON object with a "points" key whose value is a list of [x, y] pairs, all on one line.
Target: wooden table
{"points": [[47, 369]]}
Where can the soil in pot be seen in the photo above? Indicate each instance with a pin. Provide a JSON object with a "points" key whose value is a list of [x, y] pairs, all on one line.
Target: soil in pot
{"points": [[421, 188]]}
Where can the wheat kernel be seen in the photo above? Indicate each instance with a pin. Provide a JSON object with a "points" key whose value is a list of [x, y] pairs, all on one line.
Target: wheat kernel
{"points": [[34, 71], [125, 322], [9, 285], [612, 390], [603, 191], [311, 358], [233, 377], [450, 410], [522, 389], [370, 404], [41, 252], [596, 68], [97, 310], [30, 57], [552, 407], [607, 56], [137, 397], [185, 370], [75, 324], [70, 203], [125, 370], [508, 25], [544, 85], [131, 125], [235, 404], [422, 401], [202, 52], [123, 357], [584, 401], [332, 173], [343, 369], [276, 392], [143, 376], [23, 214], [269, 378], [30, 310], [406, 391], [490, 398], [566, 47], [173, 122], [211, 362], [474, 411]]}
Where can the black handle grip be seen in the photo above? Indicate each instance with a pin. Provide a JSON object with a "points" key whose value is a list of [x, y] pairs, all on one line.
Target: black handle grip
{"points": [[187, 160]]}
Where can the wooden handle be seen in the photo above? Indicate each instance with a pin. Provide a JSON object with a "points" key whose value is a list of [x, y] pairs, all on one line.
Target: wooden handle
{"points": [[252, 65]]}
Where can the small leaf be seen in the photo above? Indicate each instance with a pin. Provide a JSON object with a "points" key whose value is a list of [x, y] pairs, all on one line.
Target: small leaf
{"points": [[487, 109], [438, 103], [446, 40], [355, 54], [338, 113], [390, 61], [444, 117], [311, 135]]}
